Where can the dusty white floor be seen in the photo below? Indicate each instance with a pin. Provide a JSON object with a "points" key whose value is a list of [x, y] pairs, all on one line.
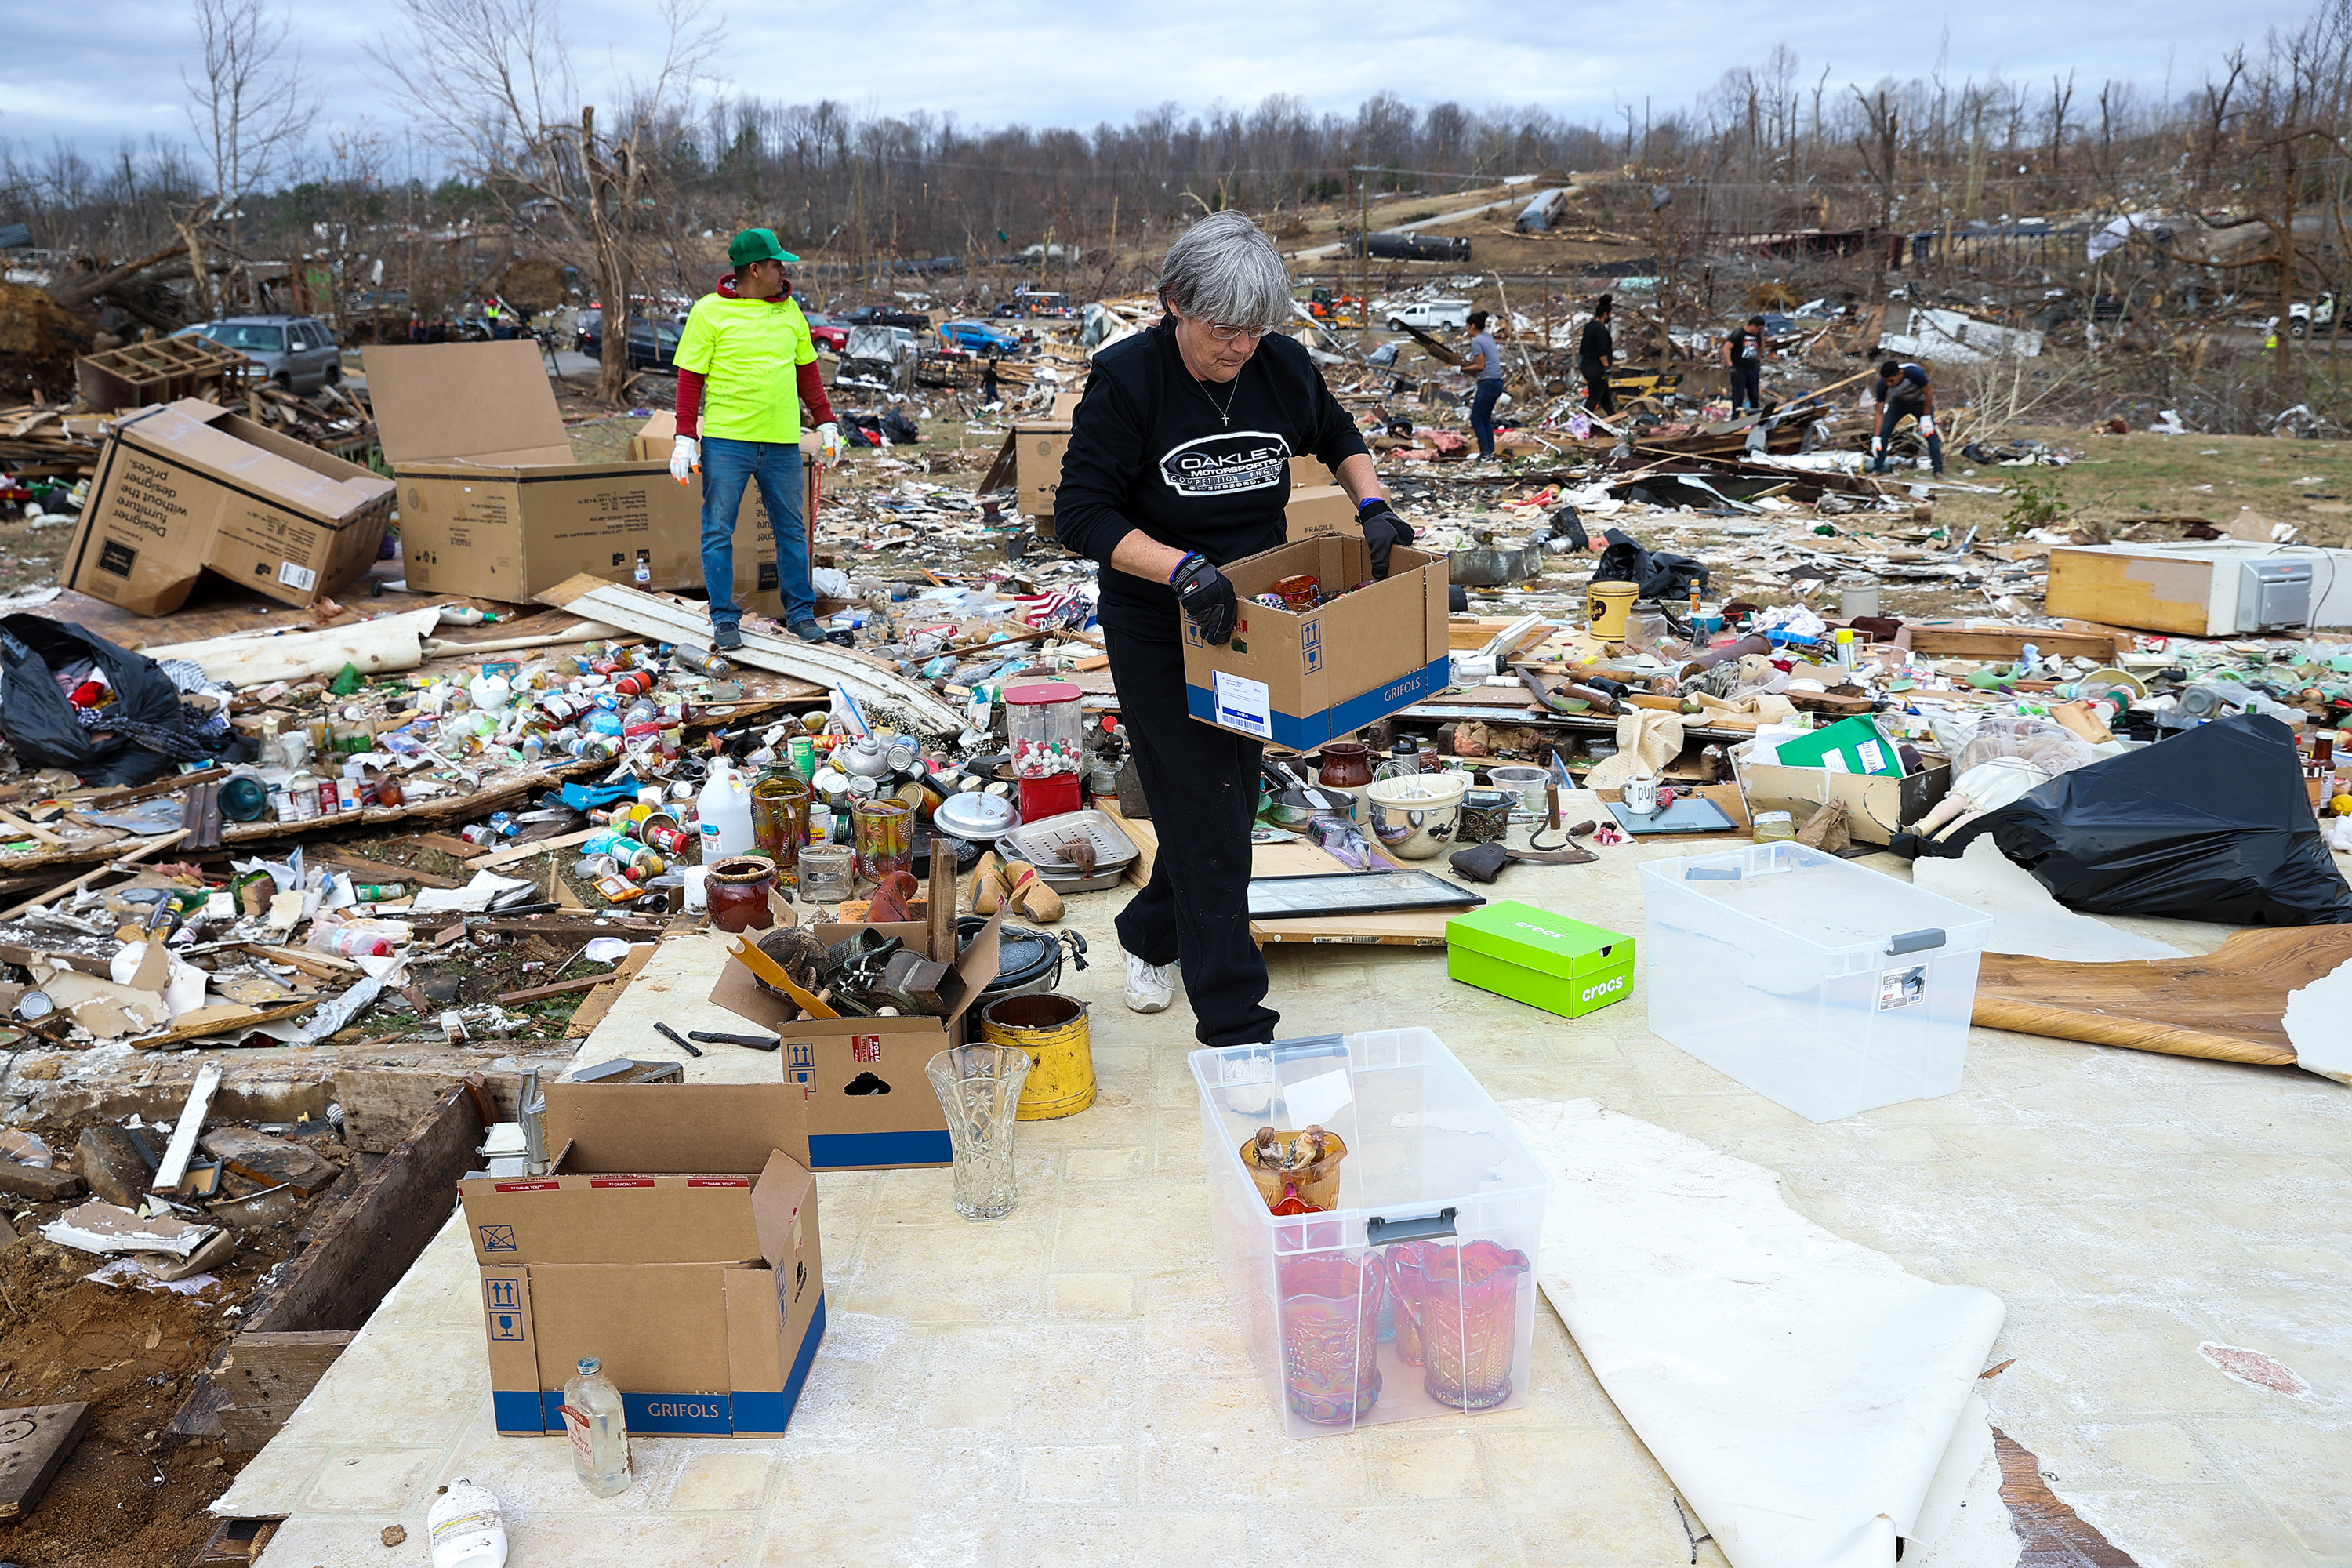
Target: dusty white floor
{"points": [[1066, 1386]]}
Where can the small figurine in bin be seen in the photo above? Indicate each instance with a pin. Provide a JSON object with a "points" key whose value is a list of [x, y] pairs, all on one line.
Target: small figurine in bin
{"points": [[1048, 749]]}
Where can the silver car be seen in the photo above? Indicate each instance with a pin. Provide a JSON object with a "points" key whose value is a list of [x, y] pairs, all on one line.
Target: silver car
{"points": [[299, 352]]}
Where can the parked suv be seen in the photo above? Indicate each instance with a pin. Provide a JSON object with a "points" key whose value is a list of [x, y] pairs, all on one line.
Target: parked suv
{"points": [[299, 352]]}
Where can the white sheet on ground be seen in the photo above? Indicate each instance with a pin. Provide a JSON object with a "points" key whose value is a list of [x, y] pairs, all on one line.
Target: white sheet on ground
{"points": [[2315, 1027], [1810, 1399], [2027, 919]]}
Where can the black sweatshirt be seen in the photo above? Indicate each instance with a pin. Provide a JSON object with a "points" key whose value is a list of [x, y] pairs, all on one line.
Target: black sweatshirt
{"points": [[1594, 344], [1150, 448]]}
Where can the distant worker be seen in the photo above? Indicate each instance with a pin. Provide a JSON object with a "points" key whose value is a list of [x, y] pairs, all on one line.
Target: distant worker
{"points": [[989, 390], [1903, 391], [1743, 355], [1596, 351], [1486, 368], [744, 363]]}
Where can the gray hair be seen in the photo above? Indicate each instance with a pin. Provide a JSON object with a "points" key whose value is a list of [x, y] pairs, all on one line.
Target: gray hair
{"points": [[1225, 269]]}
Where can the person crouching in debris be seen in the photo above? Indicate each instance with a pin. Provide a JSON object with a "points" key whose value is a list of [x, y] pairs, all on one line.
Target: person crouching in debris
{"points": [[1743, 356], [1903, 391], [744, 362], [1179, 463], [1596, 351]]}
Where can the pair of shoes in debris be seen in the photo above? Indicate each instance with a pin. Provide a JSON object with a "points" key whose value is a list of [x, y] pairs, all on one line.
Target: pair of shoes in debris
{"points": [[726, 636], [1014, 887]]}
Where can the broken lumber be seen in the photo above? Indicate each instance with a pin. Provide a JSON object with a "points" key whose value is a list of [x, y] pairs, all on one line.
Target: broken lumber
{"points": [[175, 1166]]}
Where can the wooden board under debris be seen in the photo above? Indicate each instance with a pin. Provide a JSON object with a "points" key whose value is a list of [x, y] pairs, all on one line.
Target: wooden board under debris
{"points": [[33, 1442]]}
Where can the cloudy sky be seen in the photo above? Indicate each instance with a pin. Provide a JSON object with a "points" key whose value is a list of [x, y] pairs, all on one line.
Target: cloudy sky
{"points": [[98, 71]]}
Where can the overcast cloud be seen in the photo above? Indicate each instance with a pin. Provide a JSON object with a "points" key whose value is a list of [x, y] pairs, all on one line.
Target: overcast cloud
{"points": [[99, 71]]}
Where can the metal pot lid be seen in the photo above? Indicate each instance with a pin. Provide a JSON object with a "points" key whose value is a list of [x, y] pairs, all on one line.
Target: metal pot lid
{"points": [[1022, 955], [977, 817]]}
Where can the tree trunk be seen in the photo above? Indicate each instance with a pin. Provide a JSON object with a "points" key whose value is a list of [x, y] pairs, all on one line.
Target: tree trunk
{"points": [[79, 289], [612, 284]]}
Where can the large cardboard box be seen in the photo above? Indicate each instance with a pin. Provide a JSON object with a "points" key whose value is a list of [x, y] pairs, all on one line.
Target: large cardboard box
{"points": [[1301, 679], [1038, 445], [868, 1106], [491, 503], [186, 487], [675, 1238], [1877, 806]]}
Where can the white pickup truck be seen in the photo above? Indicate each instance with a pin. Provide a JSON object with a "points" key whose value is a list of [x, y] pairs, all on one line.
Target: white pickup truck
{"points": [[1428, 313]]}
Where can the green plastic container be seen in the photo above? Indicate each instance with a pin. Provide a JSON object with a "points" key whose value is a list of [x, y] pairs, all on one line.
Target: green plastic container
{"points": [[1545, 960]]}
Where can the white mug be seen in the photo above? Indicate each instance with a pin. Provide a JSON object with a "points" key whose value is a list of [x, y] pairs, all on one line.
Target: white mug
{"points": [[1640, 795]]}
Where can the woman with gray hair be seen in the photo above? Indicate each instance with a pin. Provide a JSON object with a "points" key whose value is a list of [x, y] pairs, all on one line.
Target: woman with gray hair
{"points": [[1178, 462]]}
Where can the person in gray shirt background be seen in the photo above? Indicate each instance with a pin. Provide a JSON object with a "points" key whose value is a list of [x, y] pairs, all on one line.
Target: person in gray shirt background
{"points": [[1486, 367]]}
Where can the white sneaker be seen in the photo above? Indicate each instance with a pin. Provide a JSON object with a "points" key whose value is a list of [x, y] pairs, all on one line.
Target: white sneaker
{"points": [[1150, 986]]}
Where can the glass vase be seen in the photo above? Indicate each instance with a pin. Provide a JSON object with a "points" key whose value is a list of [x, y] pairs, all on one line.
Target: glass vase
{"points": [[1331, 1337], [980, 1089], [1468, 1318]]}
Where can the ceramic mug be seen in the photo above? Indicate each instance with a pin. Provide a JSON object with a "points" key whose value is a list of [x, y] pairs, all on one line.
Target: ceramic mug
{"points": [[1640, 795]]}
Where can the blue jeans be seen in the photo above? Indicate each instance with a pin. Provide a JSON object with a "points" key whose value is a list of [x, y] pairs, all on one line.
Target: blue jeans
{"points": [[1890, 414], [727, 468], [1482, 415]]}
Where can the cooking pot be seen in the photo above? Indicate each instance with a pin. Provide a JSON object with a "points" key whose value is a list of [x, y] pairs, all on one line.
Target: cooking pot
{"points": [[1414, 815]]}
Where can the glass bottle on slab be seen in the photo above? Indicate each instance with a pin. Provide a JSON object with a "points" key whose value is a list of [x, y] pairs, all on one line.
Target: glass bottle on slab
{"points": [[598, 1429]]}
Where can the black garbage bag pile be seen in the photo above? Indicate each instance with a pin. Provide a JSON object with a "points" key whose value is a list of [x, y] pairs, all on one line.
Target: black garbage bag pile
{"points": [[2212, 824], [69, 699]]}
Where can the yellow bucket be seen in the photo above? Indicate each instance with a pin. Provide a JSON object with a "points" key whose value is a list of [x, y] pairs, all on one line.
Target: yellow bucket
{"points": [[1053, 1030], [1607, 606]]}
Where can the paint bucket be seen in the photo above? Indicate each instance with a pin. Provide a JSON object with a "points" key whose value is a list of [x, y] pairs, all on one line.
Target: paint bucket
{"points": [[1053, 1030], [1606, 606], [1857, 599]]}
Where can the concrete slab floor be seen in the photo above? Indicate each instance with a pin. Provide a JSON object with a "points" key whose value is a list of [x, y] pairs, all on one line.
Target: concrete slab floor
{"points": [[1068, 1386]]}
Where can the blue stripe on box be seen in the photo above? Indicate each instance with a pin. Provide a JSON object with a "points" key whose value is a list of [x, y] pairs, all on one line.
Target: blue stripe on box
{"points": [[710, 1415], [518, 1410], [1300, 732], [845, 1151], [763, 1411]]}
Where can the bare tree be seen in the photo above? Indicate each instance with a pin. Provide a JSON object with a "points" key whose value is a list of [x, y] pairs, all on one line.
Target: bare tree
{"points": [[250, 111], [492, 81]]}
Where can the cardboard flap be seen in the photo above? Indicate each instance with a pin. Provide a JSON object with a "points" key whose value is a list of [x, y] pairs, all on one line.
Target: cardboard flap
{"points": [[783, 1194], [657, 1129], [628, 1315], [202, 436], [488, 403]]}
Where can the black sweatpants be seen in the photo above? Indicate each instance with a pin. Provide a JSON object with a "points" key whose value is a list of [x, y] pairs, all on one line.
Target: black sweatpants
{"points": [[1599, 395], [1201, 783], [1746, 387]]}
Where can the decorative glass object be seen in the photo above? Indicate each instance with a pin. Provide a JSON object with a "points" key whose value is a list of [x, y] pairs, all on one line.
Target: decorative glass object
{"points": [[1331, 1337], [980, 1089]]}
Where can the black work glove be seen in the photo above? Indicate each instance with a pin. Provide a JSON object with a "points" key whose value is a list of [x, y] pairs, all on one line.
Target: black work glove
{"points": [[1383, 531], [1207, 598]]}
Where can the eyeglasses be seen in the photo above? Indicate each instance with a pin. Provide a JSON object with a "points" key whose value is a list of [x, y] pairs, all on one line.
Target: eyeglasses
{"points": [[1224, 334]]}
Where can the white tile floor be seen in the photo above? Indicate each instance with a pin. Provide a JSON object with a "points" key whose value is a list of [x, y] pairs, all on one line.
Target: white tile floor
{"points": [[1066, 1386]]}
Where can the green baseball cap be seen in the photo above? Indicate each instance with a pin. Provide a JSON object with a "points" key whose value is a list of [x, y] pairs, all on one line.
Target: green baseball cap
{"points": [[757, 244]]}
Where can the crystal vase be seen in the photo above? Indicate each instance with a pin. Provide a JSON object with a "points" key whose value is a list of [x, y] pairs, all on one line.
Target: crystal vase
{"points": [[980, 1089]]}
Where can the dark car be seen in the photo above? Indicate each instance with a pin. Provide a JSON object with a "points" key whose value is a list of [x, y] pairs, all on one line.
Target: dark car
{"points": [[884, 316], [827, 331], [588, 334], [979, 337], [1778, 326], [653, 346]]}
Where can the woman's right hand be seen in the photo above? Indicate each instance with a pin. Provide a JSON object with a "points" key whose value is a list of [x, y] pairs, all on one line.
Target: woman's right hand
{"points": [[1205, 597]]}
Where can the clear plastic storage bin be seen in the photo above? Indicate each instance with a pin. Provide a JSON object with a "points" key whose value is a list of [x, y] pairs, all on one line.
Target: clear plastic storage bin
{"points": [[1823, 986], [1400, 1282]]}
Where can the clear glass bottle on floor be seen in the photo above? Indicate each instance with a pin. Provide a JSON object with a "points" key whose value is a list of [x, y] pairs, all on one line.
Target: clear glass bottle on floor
{"points": [[599, 1431]]}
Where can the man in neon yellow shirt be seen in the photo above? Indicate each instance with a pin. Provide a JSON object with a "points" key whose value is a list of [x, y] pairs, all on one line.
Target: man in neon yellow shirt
{"points": [[744, 362]]}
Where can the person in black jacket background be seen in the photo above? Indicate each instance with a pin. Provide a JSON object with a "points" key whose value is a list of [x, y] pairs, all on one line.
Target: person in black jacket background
{"points": [[1596, 350], [1178, 462]]}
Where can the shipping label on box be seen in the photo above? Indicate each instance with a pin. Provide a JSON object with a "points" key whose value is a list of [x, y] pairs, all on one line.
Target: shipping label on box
{"points": [[1364, 653], [868, 1105]]}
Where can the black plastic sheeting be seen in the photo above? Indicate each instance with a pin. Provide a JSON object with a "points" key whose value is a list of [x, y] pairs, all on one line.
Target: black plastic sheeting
{"points": [[2212, 824]]}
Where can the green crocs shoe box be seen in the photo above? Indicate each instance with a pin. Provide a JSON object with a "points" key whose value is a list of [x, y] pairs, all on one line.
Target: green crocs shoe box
{"points": [[1545, 960]]}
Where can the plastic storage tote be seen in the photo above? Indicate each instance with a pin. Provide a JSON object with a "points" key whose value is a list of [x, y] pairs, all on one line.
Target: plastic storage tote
{"points": [[1823, 986], [1392, 1278]]}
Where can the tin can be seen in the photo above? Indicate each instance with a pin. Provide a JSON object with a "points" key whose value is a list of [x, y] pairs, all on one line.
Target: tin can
{"points": [[664, 834], [347, 794], [503, 823], [803, 756], [379, 892], [642, 864], [479, 833]]}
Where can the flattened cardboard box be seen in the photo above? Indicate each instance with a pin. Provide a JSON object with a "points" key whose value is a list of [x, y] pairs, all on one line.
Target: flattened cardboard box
{"points": [[675, 1239], [868, 1105], [1038, 449], [491, 503], [187, 487], [1301, 679]]}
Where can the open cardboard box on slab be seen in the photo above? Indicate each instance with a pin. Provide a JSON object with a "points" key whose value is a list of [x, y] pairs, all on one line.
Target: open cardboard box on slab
{"points": [[1878, 805], [187, 487], [492, 504], [868, 1106], [1301, 679], [675, 1238]]}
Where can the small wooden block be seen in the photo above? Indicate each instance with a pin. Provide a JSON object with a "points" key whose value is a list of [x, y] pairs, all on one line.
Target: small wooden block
{"points": [[33, 1442]]}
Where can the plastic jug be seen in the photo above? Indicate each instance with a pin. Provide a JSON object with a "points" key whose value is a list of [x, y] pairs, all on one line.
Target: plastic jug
{"points": [[724, 812], [465, 1528]]}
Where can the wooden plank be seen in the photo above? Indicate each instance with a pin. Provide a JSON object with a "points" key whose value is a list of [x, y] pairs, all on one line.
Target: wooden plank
{"points": [[33, 1442], [448, 843], [1996, 642], [30, 829], [174, 1165], [381, 870], [592, 1011], [139, 851], [318, 965], [522, 852], [2151, 593], [345, 1266], [265, 1376], [382, 1105], [108, 800], [2052, 1534]]}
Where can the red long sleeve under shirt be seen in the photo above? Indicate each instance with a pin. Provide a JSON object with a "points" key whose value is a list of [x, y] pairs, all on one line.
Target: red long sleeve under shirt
{"points": [[810, 380]]}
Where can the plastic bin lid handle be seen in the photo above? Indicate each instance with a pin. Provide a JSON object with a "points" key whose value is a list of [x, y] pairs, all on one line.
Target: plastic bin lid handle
{"points": [[1711, 874], [1306, 1046], [1380, 1232], [1915, 941]]}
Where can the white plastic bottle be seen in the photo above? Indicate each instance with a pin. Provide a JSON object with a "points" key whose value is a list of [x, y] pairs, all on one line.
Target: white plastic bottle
{"points": [[599, 1430], [724, 811], [465, 1528]]}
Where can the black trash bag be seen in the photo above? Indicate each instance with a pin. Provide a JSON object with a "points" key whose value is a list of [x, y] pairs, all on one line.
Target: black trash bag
{"points": [[1654, 574], [2212, 824], [143, 738], [900, 429]]}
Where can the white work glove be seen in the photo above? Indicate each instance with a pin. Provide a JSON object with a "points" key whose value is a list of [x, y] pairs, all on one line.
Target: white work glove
{"points": [[1877, 445], [685, 456], [836, 448], [1927, 424]]}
